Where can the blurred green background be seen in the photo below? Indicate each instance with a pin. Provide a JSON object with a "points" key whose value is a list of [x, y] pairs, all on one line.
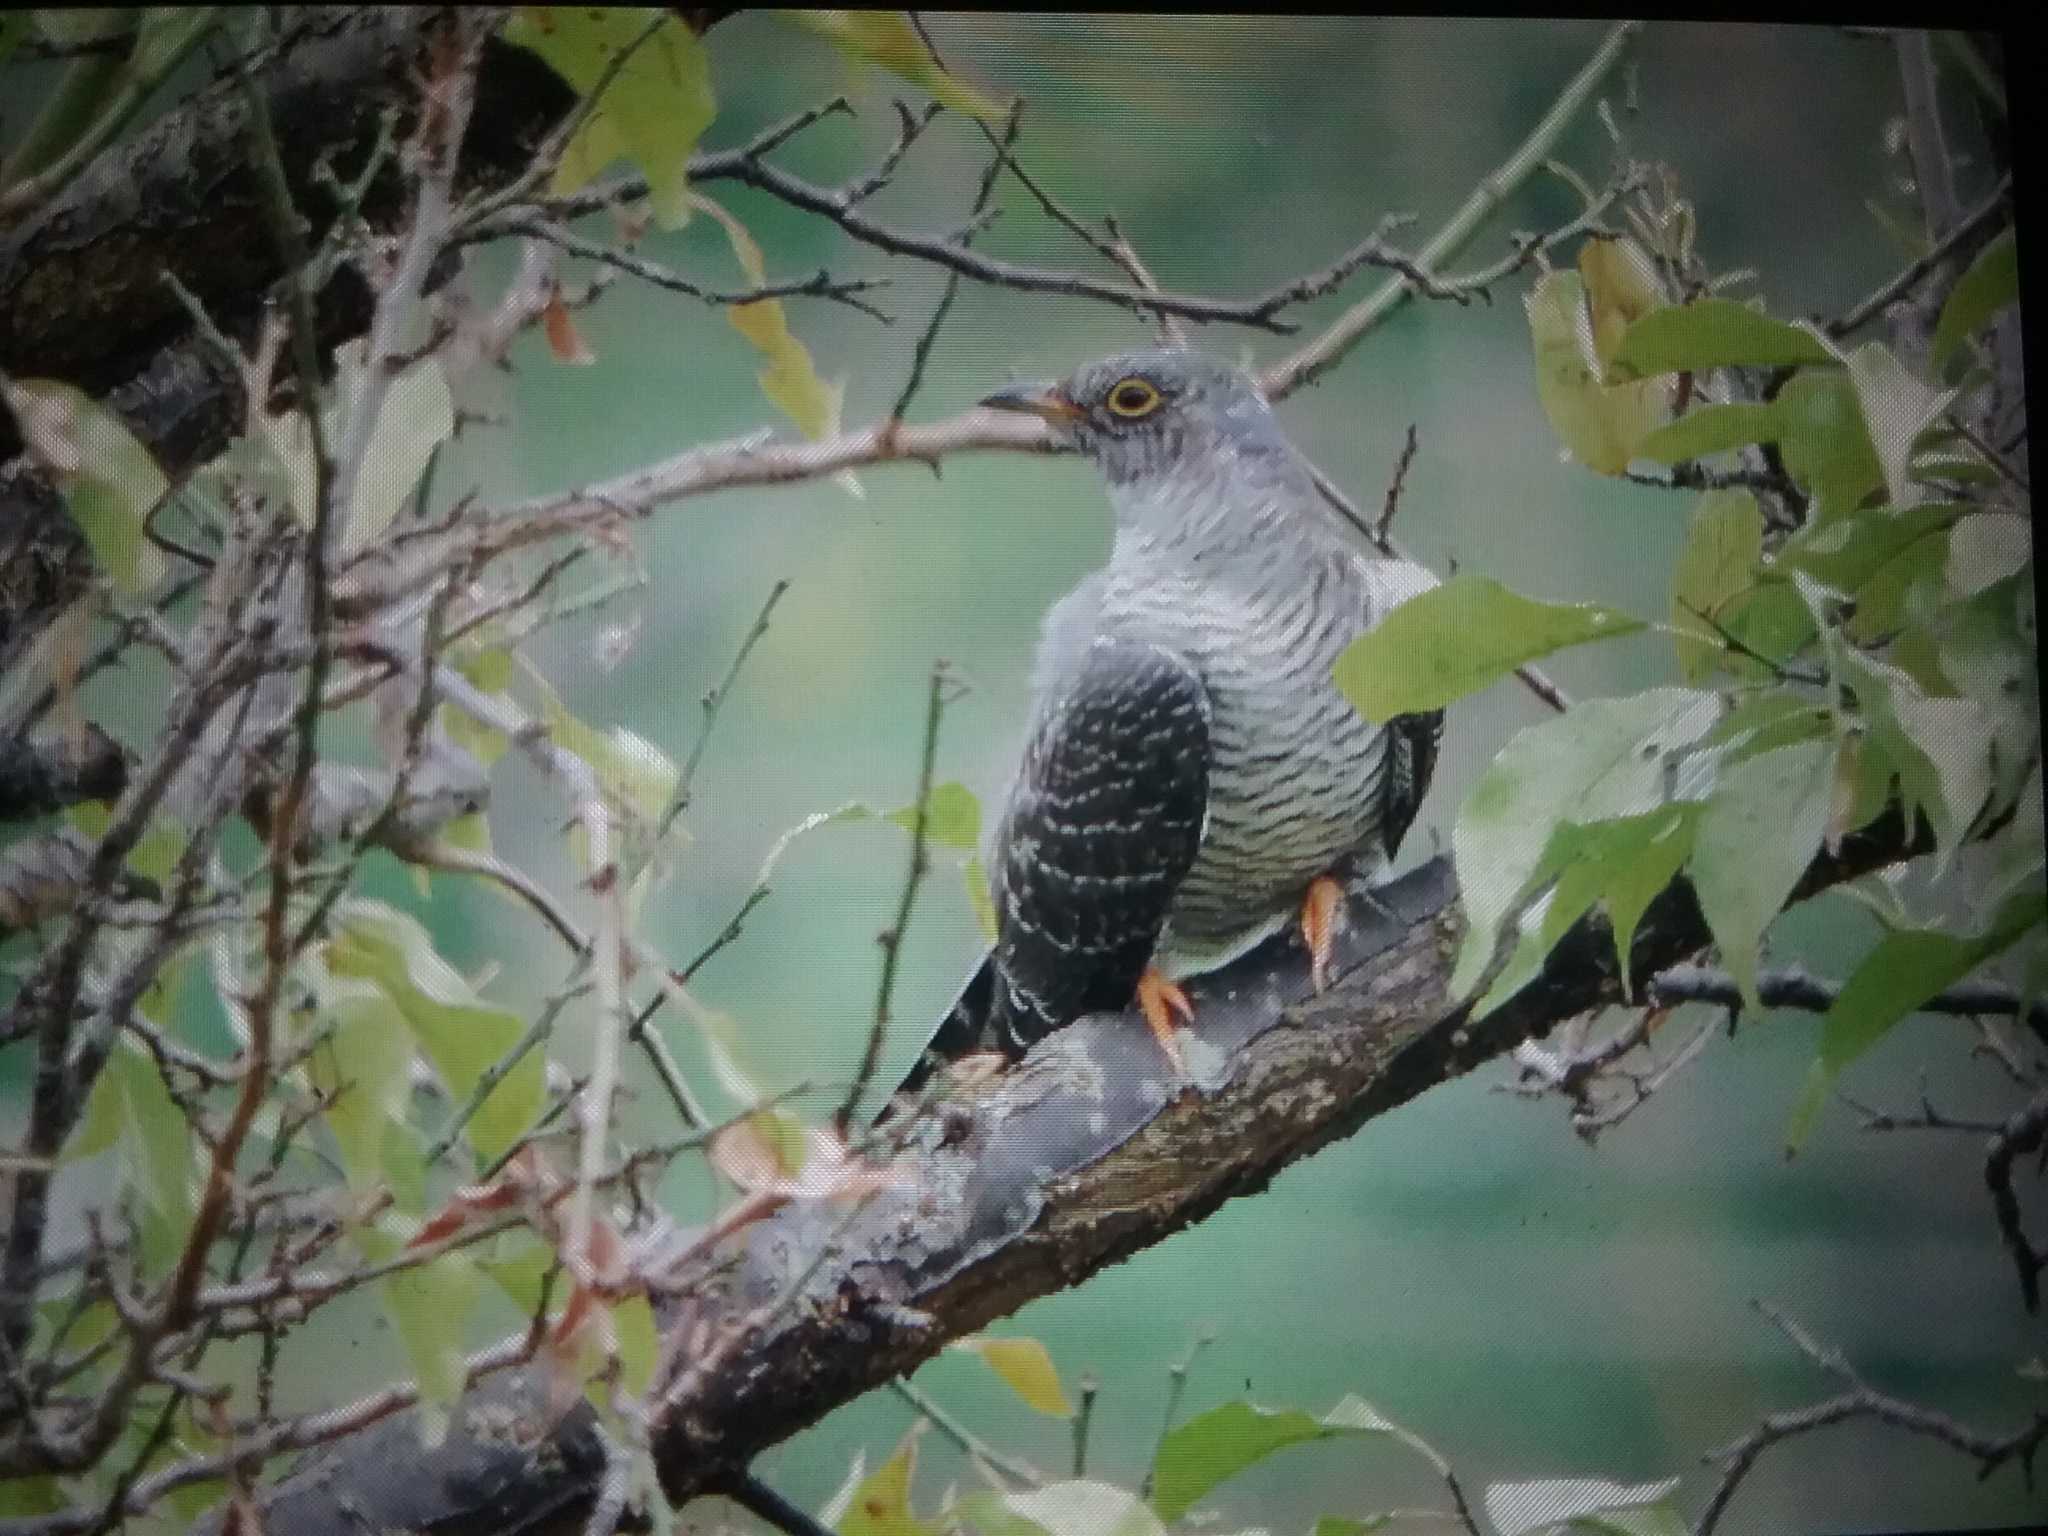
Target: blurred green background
{"points": [[1532, 1306]]}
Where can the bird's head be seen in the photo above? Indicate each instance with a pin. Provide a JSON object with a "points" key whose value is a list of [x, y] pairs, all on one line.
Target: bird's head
{"points": [[1142, 415]]}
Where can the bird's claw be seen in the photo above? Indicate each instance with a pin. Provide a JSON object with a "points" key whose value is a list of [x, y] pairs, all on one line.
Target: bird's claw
{"points": [[1167, 1010], [1322, 914]]}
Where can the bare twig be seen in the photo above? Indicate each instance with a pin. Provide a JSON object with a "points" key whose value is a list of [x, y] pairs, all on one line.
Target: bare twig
{"points": [[1261, 312], [2019, 1136], [1290, 373], [1019, 1473], [1860, 1401], [1120, 250], [1793, 986], [819, 285], [714, 701], [891, 938], [921, 355], [1392, 504], [1933, 167], [1902, 283]]}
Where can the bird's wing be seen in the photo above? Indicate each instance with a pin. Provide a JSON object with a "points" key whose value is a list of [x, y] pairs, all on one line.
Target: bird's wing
{"points": [[1412, 742], [1101, 825]]}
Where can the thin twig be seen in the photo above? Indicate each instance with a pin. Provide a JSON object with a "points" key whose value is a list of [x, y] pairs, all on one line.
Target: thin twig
{"points": [[922, 353], [1793, 986], [1084, 1416], [2019, 1136], [891, 938], [1121, 251], [1310, 361], [1903, 282], [1176, 1386], [1392, 504], [1021, 1473], [714, 701], [1859, 1401], [819, 285]]}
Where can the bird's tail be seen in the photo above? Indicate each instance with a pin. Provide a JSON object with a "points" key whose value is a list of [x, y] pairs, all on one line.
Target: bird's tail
{"points": [[960, 1033]]}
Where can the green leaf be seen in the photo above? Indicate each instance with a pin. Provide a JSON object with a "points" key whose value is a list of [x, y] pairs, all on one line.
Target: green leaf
{"points": [[952, 817], [1772, 621], [429, 1306], [157, 1154], [522, 1273], [1762, 722], [655, 109], [887, 38], [1907, 588], [1896, 408], [1756, 836], [1454, 639], [1084, 1508], [458, 1032], [1845, 550], [108, 479], [1600, 423], [1986, 549], [167, 31], [1213, 1447], [1719, 561], [1714, 333], [1625, 862], [364, 1071], [14, 26], [976, 875], [30, 1495], [1990, 283], [1551, 1504], [633, 774], [417, 415], [1903, 970], [1942, 747], [1710, 429], [1604, 759], [1025, 1368], [1823, 440], [639, 1342]]}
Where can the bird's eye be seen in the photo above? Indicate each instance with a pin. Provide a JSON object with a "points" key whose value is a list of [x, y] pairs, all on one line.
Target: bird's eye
{"points": [[1134, 397]]}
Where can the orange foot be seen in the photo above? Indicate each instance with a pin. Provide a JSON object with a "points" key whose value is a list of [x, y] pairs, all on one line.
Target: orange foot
{"points": [[1322, 912], [1160, 1000]]}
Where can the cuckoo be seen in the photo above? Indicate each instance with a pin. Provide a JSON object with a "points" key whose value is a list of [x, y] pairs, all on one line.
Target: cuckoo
{"points": [[1192, 779]]}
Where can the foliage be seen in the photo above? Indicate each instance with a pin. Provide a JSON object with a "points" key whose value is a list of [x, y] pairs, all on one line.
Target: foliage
{"points": [[290, 1095], [1872, 645]]}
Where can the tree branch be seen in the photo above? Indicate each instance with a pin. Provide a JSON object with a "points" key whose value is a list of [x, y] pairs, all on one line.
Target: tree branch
{"points": [[1080, 1156]]}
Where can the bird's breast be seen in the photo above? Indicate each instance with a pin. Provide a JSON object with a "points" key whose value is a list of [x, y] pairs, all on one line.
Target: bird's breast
{"points": [[1294, 773]]}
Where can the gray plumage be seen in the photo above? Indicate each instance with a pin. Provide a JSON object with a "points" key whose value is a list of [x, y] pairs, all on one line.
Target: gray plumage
{"points": [[1191, 766]]}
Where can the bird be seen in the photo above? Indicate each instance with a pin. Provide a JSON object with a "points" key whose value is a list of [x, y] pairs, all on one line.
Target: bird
{"points": [[1192, 779]]}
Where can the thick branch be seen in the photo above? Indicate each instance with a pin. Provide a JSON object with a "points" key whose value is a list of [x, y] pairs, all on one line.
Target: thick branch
{"points": [[1077, 1158]]}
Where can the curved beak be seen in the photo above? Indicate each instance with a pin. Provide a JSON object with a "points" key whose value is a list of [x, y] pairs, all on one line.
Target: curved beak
{"points": [[1047, 401]]}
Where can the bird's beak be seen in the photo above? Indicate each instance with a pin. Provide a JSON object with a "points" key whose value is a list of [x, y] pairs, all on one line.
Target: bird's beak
{"points": [[1047, 401]]}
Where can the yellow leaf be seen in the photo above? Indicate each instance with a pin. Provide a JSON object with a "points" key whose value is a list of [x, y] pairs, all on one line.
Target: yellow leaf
{"points": [[1599, 423], [654, 110], [1026, 1368], [108, 479], [790, 380], [888, 39], [1621, 287]]}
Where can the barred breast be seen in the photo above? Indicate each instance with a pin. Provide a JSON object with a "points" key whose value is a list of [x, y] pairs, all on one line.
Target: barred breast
{"points": [[1295, 774]]}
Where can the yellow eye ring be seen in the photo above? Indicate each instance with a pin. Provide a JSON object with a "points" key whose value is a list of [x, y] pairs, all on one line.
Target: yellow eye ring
{"points": [[1132, 398]]}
